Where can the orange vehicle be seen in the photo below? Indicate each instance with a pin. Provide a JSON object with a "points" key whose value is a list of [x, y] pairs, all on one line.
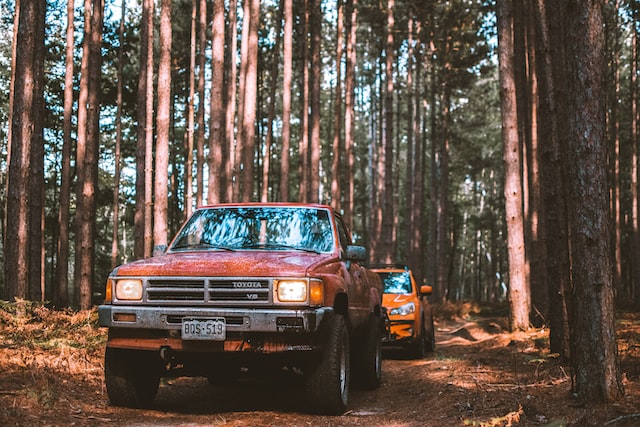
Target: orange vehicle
{"points": [[410, 321]]}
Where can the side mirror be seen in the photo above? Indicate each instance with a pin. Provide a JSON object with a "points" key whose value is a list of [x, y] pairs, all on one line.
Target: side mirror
{"points": [[356, 253], [426, 290]]}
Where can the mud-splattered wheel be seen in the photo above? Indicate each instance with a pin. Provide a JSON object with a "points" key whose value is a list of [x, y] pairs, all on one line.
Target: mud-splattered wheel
{"points": [[368, 357], [328, 382], [132, 377]]}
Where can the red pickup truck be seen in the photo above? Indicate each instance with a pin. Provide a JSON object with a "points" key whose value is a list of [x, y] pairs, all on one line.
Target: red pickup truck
{"points": [[243, 288]]}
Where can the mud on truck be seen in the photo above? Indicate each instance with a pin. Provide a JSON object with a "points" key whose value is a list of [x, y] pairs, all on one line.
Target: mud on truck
{"points": [[241, 289]]}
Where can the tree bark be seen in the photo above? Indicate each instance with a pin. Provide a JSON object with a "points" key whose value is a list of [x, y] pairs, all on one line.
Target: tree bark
{"points": [[314, 100], [163, 119], [189, 134], [248, 99], [551, 132], [87, 154], [61, 287], [303, 147], [25, 131], [592, 317], [387, 157], [635, 169], [287, 53], [200, 127], [116, 177], [142, 218], [351, 13], [217, 107], [271, 109], [336, 164], [519, 298], [231, 95]]}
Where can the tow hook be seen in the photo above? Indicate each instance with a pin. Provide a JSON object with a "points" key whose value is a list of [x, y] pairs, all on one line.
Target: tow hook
{"points": [[165, 353]]}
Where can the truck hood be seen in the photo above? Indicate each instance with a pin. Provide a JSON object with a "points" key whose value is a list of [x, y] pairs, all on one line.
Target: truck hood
{"points": [[229, 264]]}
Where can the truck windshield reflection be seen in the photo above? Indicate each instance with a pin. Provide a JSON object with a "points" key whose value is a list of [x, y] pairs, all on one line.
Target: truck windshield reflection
{"points": [[257, 228]]}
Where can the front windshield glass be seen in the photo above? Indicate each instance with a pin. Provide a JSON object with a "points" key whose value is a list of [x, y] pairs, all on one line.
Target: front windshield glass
{"points": [[271, 228], [396, 283]]}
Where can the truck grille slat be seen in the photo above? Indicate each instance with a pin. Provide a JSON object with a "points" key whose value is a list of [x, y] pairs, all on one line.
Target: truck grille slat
{"points": [[203, 291]]}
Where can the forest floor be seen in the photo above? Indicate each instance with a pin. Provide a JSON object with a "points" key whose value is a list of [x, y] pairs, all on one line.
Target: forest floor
{"points": [[51, 373]]}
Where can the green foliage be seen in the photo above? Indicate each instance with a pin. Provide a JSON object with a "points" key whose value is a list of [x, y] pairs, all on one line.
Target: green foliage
{"points": [[460, 60]]}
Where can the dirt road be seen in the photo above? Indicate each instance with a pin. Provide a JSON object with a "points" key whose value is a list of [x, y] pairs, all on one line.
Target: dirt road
{"points": [[480, 375]]}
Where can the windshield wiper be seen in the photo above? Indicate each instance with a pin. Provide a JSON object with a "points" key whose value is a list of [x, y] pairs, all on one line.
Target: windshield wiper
{"points": [[203, 245], [278, 246]]}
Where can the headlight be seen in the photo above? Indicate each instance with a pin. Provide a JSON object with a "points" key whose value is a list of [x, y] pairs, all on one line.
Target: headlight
{"points": [[291, 291], [129, 289], [403, 310]]}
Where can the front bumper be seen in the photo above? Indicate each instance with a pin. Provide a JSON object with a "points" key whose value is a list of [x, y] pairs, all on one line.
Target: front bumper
{"points": [[267, 320], [258, 330], [400, 332]]}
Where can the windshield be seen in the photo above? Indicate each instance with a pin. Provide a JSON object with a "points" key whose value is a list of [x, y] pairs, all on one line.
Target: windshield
{"points": [[271, 228], [396, 283]]}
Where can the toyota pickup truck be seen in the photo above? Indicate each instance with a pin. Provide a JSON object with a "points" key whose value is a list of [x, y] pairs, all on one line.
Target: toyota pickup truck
{"points": [[246, 288]]}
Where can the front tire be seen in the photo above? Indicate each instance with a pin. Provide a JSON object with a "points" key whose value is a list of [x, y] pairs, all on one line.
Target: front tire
{"points": [[369, 357], [430, 345], [418, 347], [328, 383], [132, 377]]}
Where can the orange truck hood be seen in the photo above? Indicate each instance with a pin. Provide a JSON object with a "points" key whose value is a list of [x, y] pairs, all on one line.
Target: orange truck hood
{"points": [[230, 264]]}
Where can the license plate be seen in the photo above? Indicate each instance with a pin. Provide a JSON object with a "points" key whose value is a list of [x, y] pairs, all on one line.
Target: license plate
{"points": [[204, 329]]}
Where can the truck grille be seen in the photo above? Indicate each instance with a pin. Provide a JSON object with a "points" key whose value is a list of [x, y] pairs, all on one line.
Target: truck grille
{"points": [[205, 291]]}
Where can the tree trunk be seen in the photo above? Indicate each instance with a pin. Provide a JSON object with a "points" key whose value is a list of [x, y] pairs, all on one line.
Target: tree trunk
{"points": [[336, 168], [286, 99], [189, 134], [231, 170], [87, 154], [551, 132], [416, 254], [411, 157], [217, 108], [142, 218], [275, 68], [314, 101], [200, 127], [16, 26], [36, 175], [351, 9], [248, 98], [387, 157], [161, 181], [116, 178], [519, 298], [432, 247], [303, 150], [592, 317], [635, 169], [443, 240], [613, 122], [25, 134], [61, 287], [148, 134]]}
